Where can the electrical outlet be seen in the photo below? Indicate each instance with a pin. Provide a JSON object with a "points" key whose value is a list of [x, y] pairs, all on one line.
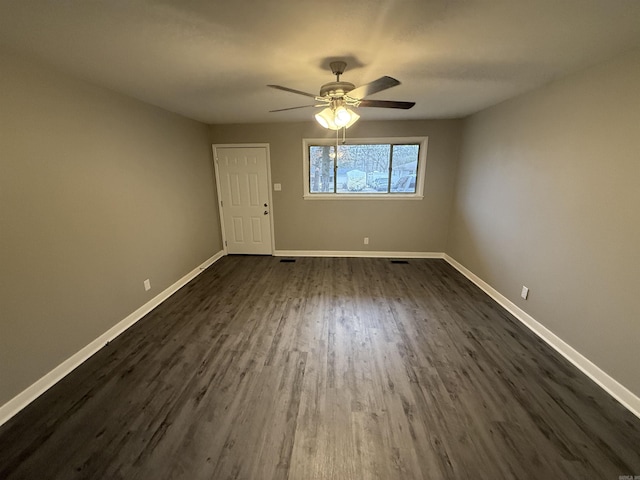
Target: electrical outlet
{"points": [[366, 240], [525, 292], [147, 285]]}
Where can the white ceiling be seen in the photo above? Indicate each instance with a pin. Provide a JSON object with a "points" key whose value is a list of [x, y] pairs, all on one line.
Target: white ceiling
{"points": [[212, 59]]}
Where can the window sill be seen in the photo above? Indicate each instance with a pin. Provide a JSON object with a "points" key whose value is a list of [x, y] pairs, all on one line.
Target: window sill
{"points": [[362, 196]]}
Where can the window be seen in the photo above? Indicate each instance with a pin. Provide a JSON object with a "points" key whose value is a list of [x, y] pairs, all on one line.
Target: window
{"points": [[365, 168]]}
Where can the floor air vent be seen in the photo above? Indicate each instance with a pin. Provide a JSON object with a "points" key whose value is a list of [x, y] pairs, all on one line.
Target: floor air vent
{"points": [[403, 262], [288, 260]]}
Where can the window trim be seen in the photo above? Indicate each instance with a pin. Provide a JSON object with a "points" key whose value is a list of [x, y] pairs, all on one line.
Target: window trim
{"points": [[420, 174]]}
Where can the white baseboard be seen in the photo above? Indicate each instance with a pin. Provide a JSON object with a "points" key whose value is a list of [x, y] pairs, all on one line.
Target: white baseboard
{"points": [[355, 253], [614, 388], [28, 395]]}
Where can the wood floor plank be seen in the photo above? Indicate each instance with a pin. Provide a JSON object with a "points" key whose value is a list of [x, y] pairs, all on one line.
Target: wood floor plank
{"points": [[324, 368]]}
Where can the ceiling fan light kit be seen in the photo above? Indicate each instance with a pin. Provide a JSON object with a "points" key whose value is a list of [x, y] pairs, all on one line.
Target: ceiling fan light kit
{"points": [[335, 119], [339, 98], [326, 119]]}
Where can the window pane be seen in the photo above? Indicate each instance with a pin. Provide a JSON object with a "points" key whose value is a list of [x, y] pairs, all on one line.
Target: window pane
{"points": [[363, 168], [405, 168], [376, 169], [321, 168]]}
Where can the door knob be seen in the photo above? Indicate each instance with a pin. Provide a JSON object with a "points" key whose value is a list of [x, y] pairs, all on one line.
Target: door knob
{"points": [[266, 213]]}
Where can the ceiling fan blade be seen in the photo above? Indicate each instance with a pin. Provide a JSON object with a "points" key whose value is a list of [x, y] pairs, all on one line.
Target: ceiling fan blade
{"points": [[287, 89], [374, 87], [294, 108], [386, 104]]}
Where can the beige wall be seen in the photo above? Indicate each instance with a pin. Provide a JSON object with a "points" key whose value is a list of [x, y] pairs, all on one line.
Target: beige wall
{"points": [[97, 193], [341, 225], [548, 197]]}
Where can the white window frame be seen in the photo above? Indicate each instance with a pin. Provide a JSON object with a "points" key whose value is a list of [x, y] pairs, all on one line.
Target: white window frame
{"points": [[420, 174]]}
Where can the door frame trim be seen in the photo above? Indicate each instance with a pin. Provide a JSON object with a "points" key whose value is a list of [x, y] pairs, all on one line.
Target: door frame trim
{"points": [[269, 188]]}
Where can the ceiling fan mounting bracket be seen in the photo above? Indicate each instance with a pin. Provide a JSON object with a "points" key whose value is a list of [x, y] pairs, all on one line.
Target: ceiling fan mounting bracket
{"points": [[338, 67]]}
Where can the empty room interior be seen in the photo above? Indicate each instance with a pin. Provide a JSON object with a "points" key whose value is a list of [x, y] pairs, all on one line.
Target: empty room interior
{"points": [[299, 240]]}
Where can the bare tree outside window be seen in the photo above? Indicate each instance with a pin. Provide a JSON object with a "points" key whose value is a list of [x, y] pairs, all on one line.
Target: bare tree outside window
{"points": [[322, 168]]}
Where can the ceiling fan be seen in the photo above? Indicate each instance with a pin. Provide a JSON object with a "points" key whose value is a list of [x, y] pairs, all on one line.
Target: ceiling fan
{"points": [[337, 98]]}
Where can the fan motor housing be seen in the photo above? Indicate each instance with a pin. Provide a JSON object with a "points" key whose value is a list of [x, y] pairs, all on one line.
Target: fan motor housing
{"points": [[336, 89]]}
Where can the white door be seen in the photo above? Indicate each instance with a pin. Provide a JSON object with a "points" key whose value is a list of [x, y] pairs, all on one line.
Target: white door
{"points": [[243, 191]]}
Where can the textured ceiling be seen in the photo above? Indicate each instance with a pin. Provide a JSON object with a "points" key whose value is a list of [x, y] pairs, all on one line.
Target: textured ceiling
{"points": [[211, 60]]}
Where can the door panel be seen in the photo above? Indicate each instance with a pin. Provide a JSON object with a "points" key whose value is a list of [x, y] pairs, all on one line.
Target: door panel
{"points": [[244, 193]]}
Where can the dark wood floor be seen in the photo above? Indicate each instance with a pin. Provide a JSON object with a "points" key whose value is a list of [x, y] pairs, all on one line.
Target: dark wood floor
{"points": [[325, 368]]}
